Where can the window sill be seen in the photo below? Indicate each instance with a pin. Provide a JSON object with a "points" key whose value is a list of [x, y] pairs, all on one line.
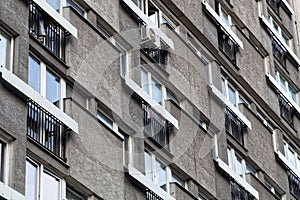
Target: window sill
{"points": [[157, 107], [25, 89], [137, 175], [289, 8], [219, 20], [57, 17], [9, 193], [234, 109], [242, 182]]}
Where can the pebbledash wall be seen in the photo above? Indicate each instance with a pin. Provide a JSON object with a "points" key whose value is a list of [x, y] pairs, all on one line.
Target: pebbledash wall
{"points": [[149, 99]]}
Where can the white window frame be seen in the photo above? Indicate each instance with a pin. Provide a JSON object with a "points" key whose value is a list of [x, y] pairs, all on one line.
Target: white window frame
{"points": [[232, 165], [42, 81], [221, 10], [283, 36], [123, 51], [5, 160], [40, 171], [150, 77], [288, 147], [287, 86], [9, 59]]}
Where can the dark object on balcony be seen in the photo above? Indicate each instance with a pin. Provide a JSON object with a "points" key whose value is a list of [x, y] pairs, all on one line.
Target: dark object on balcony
{"points": [[158, 55], [234, 126], [279, 53], [47, 31], [294, 184], [239, 193], [286, 110], [156, 127], [226, 45], [45, 129]]}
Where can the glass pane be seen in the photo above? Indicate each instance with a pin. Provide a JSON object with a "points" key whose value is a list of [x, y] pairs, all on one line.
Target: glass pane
{"points": [[123, 61], [238, 166], [34, 74], [153, 14], [229, 157], [148, 166], [31, 181], [177, 179], [5, 50], [224, 17], [144, 81], [105, 120], [52, 88], [2, 161], [231, 94], [292, 159], [249, 169], [54, 4], [50, 187], [160, 175], [292, 94], [156, 91], [223, 87], [282, 83]]}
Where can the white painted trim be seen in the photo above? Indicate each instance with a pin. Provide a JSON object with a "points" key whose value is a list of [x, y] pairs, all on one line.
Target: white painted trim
{"points": [[156, 106], [284, 93], [278, 37], [20, 85], [288, 6], [149, 184], [237, 178], [146, 19], [225, 26], [8, 193], [285, 161], [57, 17], [234, 109]]}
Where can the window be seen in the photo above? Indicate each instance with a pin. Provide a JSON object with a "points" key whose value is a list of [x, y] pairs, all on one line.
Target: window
{"points": [[55, 4], [274, 5], [2, 160], [273, 189], [292, 156], [238, 164], [286, 86], [6, 45], [105, 120], [79, 9], [278, 52], [152, 87], [44, 81], [73, 195], [239, 193], [40, 181], [234, 126], [231, 93], [123, 59], [177, 179], [294, 184], [283, 36]]}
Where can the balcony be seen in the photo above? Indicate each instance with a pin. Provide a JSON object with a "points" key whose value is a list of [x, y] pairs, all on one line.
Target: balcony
{"points": [[279, 53], [159, 56], [234, 126], [294, 184], [156, 127], [47, 31], [226, 45], [274, 4], [45, 129], [150, 195]]}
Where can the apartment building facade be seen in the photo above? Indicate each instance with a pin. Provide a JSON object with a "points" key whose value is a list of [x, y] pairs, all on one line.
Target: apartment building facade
{"points": [[149, 99]]}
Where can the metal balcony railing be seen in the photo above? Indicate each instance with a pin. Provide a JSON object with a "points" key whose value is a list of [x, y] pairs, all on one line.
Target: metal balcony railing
{"points": [[286, 110], [150, 195], [45, 129], [226, 45], [234, 126], [158, 55], [237, 192], [294, 184], [279, 53], [156, 127], [274, 4], [47, 31]]}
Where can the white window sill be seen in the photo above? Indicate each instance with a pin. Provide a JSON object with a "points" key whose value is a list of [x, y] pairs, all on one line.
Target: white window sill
{"points": [[286, 162], [287, 5], [146, 19], [156, 106], [284, 93], [57, 17], [225, 26], [136, 174], [20, 85], [278, 38], [234, 109], [8, 193], [237, 178]]}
